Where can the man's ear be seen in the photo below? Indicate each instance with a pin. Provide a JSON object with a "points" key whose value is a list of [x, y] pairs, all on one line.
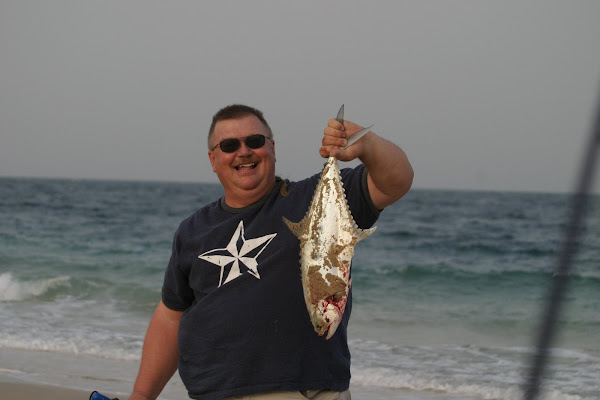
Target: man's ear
{"points": [[211, 158], [274, 154]]}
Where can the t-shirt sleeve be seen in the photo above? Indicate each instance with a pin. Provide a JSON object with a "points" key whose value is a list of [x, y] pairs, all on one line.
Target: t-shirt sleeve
{"points": [[176, 292], [361, 205]]}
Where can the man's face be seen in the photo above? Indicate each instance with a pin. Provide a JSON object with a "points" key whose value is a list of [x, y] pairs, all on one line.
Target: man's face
{"points": [[246, 174]]}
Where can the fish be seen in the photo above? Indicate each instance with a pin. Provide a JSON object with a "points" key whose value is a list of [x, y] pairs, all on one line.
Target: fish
{"points": [[328, 235]]}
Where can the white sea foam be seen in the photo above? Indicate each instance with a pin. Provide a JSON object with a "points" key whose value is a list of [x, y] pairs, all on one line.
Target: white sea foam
{"points": [[406, 381], [15, 290], [98, 345], [464, 371]]}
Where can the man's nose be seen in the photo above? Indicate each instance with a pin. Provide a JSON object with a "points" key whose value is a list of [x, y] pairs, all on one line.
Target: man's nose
{"points": [[244, 150]]}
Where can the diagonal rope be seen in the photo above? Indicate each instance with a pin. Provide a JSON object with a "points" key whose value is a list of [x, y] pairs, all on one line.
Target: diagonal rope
{"points": [[570, 244]]}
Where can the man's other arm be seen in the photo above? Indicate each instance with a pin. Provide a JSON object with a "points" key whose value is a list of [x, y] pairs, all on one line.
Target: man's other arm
{"points": [[160, 354]]}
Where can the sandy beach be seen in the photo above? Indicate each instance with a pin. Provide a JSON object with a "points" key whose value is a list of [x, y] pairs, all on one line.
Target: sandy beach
{"points": [[27, 391]]}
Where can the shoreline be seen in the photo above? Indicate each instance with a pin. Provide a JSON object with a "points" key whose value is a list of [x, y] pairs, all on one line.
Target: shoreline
{"points": [[17, 390], [31, 391]]}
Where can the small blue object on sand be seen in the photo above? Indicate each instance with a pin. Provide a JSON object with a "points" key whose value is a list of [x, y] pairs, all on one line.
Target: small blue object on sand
{"points": [[98, 396]]}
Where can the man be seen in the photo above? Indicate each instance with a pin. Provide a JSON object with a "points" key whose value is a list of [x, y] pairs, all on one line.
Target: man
{"points": [[232, 315]]}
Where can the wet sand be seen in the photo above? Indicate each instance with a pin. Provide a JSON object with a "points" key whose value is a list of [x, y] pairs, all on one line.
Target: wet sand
{"points": [[28, 391]]}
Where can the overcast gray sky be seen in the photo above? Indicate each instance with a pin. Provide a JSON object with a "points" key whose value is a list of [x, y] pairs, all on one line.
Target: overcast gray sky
{"points": [[491, 95]]}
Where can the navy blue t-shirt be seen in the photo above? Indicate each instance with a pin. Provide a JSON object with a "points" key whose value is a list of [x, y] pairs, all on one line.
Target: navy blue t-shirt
{"points": [[236, 275]]}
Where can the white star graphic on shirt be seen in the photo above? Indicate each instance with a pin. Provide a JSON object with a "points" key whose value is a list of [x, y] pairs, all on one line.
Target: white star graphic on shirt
{"points": [[238, 255]]}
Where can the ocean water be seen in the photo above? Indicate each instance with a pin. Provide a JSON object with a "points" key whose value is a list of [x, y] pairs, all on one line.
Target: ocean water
{"points": [[448, 293]]}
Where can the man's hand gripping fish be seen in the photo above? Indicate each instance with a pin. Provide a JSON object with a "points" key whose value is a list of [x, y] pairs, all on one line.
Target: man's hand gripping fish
{"points": [[328, 234]]}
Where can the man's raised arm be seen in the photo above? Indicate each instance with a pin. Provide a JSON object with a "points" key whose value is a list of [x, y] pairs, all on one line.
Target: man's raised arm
{"points": [[390, 173]]}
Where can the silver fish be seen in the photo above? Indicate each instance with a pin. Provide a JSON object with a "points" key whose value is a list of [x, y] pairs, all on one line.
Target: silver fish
{"points": [[327, 234]]}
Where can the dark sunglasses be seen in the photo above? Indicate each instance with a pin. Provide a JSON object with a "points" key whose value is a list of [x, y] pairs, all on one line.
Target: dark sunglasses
{"points": [[253, 141]]}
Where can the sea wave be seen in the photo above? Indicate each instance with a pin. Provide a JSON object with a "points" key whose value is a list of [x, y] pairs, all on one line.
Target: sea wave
{"points": [[521, 274], [407, 381], [12, 289]]}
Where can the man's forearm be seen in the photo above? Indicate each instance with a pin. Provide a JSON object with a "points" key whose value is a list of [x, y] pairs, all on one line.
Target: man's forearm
{"points": [[159, 356]]}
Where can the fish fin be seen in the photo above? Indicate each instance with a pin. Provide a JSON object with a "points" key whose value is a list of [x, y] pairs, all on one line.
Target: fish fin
{"points": [[364, 233], [295, 227]]}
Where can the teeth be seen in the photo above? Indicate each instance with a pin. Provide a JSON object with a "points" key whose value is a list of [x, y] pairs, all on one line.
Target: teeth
{"points": [[246, 165]]}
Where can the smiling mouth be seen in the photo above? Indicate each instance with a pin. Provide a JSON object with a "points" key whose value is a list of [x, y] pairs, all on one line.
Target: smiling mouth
{"points": [[245, 166]]}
